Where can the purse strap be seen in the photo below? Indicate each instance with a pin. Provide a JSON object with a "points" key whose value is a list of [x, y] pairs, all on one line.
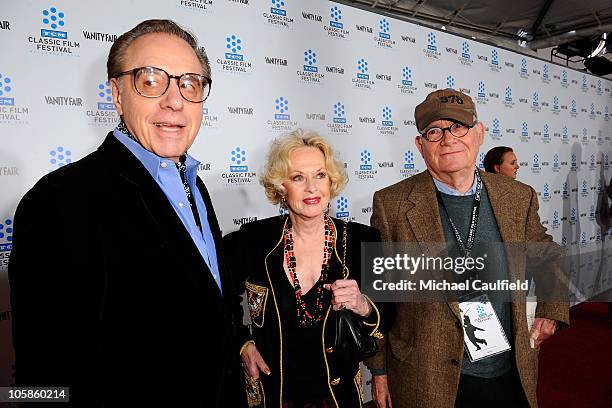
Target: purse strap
{"points": [[344, 234]]}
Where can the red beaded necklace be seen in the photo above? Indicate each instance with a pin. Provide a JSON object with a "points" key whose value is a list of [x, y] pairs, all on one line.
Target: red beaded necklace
{"points": [[309, 315]]}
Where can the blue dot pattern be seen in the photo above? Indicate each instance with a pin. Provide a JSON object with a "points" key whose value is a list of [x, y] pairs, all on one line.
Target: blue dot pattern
{"points": [[233, 43], [339, 110], [104, 91], [366, 157], [60, 157], [6, 230], [336, 14], [53, 18], [282, 104], [238, 155], [310, 57], [5, 85]]}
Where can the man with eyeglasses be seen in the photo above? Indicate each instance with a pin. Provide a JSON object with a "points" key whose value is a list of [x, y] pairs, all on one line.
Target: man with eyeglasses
{"points": [[429, 359], [118, 284]]}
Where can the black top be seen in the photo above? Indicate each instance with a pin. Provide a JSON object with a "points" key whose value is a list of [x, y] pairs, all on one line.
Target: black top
{"points": [[305, 369]]}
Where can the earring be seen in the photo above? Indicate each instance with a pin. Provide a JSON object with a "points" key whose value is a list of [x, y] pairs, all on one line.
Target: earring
{"points": [[283, 202], [328, 209]]}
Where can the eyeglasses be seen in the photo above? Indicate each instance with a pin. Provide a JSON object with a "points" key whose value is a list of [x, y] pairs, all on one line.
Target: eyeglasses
{"points": [[436, 134], [152, 82]]}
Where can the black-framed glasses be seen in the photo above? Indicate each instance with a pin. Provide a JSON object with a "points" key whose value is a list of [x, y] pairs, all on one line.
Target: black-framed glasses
{"points": [[457, 129], [152, 82]]}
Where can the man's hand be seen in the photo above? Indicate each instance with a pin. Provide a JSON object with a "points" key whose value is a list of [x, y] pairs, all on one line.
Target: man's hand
{"points": [[542, 329], [380, 392]]}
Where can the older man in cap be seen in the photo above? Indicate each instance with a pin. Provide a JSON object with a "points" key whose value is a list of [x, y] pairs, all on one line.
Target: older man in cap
{"points": [[118, 284], [435, 355]]}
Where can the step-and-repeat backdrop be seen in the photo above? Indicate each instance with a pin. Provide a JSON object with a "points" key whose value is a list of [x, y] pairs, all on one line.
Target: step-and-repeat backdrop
{"points": [[352, 75]]}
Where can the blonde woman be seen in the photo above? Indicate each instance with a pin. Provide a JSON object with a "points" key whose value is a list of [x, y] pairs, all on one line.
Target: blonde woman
{"points": [[291, 267]]}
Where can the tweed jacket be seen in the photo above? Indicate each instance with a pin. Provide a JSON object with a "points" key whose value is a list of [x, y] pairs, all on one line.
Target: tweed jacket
{"points": [[424, 348]]}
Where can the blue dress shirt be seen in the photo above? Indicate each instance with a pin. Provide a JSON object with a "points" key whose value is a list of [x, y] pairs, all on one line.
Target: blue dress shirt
{"points": [[166, 175]]}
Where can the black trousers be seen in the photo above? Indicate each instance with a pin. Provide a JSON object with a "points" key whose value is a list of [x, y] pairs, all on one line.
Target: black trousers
{"points": [[500, 392]]}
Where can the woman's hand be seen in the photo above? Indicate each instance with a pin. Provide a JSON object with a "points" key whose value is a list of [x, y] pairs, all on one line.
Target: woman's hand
{"points": [[253, 361], [346, 294]]}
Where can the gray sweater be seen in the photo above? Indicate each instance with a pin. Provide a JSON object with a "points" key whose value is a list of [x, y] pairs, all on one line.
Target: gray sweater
{"points": [[488, 240]]}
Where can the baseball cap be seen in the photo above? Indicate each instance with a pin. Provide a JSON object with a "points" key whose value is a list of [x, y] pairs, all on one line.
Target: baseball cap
{"points": [[445, 104]]}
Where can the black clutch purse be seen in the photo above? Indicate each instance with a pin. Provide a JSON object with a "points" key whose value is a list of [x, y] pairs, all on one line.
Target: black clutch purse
{"points": [[352, 342]]}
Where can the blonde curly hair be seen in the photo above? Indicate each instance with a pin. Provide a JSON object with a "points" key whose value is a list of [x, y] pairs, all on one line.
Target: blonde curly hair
{"points": [[276, 170]]}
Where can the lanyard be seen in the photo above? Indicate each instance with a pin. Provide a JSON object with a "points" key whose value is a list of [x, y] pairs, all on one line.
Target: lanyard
{"points": [[466, 247]]}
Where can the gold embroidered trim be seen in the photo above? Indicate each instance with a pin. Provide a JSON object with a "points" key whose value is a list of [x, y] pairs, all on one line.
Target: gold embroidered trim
{"points": [[252, 386], [359, 385], [257, 296], [246, 343]]}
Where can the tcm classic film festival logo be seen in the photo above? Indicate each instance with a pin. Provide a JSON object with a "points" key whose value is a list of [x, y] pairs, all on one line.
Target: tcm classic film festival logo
{"points": [[335, 27], [53, 39], [11, 112], [234, 59], [431, 51], [342, 209], [383, 39], [406, 86], [362, 77], [409, 168], [276, 15], [481, 94], [365, 170], [386, 126], [339, 124], [281, 121], [103, 111], [495, 64], [239, 173], [465, 58], [308, 73], [495, 130]]}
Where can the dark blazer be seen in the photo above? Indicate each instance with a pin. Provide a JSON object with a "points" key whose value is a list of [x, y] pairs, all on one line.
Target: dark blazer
{"points": [[110, 295], [255, 254], [424, 348]]}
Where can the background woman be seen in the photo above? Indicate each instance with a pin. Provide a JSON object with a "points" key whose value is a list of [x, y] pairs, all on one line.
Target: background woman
{"points": [[296, 268], [502, 160]]}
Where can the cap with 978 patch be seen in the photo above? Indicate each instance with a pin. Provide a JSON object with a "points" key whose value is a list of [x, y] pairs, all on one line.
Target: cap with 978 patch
{"points": [[445, 104]]}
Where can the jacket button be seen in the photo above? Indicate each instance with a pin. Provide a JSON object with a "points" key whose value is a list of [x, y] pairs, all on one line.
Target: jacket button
{"points": [[335, 381], [329, 350], [454, 362]]}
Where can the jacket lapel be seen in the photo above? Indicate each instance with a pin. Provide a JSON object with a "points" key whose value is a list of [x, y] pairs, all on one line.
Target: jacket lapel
{"points": [[420, 207], [503, 208], [423, 214], [137, 179]]}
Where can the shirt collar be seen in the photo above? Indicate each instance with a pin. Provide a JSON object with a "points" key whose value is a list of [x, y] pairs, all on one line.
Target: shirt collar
{"points": [[446, 189], [150, 160]]}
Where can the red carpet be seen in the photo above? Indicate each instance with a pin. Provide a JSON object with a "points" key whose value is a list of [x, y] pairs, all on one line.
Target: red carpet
{"points": [[576, 363]]}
